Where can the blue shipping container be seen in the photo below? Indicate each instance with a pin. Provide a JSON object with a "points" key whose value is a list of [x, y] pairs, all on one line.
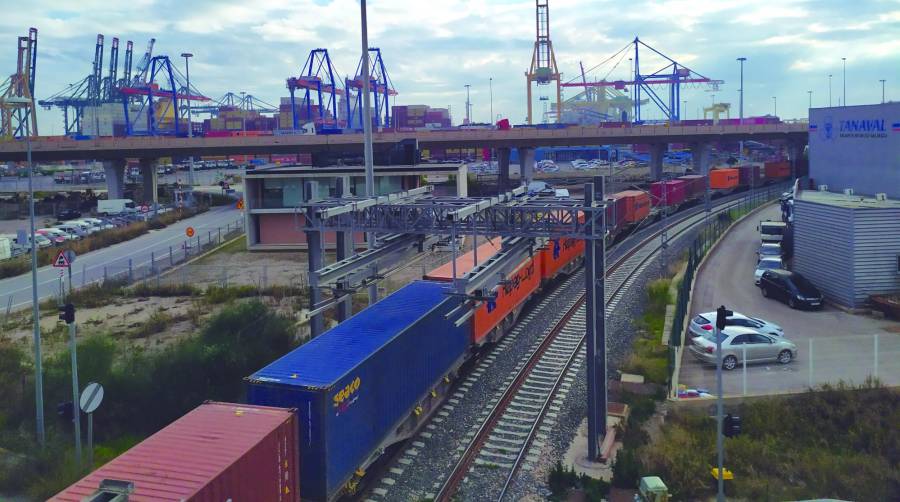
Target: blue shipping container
{"points": [[354, 385]]}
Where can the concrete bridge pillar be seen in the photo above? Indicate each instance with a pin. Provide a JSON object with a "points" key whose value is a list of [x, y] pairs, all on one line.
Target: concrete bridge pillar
{"points": [[657, 151], [148, 180], [793, 151], [700, 153], [503, 166], [115, 178], [526, 164]]}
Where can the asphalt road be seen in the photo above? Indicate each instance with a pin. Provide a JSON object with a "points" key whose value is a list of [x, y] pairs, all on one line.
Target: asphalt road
{"points": [[16, 291], [843, 345]]}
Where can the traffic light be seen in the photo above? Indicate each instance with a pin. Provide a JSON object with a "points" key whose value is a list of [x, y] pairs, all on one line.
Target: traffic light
{"points": [[67, 313], [721, 315], [731, 426]]}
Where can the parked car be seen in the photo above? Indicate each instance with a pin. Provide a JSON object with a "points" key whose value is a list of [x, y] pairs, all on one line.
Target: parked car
{"points": [[702, 324], [769, 250], [75, 231], [737, 341], [770, 263], [56, 236], [68, 214], [791, 288], [86, 227], [99, 223], [42, 242]]}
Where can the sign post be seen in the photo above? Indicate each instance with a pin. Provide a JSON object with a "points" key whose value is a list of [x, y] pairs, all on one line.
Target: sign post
{"points": [[67, 314], [90, 400], [189, 231]]}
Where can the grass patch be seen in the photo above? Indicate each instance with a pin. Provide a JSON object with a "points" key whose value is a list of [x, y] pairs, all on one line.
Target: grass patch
{"points": [[649, 357], [156, 323], [837, 442], [146, 289], [561, 480]]}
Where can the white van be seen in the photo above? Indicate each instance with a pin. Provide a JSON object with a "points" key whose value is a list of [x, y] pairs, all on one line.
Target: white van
{"points": [[115, 206]]}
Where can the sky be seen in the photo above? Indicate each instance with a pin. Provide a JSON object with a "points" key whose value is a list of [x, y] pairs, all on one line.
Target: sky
{"points": [[433, 48]]}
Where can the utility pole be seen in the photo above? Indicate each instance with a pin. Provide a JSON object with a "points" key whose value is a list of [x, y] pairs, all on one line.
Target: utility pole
{"points": [[882, 90], [468, 105], [844, 60], [187, 71], [367, 132], [35, 309]]}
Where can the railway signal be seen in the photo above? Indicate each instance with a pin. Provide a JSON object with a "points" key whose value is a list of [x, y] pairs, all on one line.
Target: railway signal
{"points": [[721, 316]]}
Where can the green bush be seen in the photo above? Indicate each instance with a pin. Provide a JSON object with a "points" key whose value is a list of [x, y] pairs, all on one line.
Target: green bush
{"points": [[146, 390], [14, 266], [156, 323]]}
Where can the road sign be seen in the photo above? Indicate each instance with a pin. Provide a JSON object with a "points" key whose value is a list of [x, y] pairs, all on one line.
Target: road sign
{"points": [[61, 260], [189, 231], [145, 208], [91, 397], [70, 255], [240, 204]]}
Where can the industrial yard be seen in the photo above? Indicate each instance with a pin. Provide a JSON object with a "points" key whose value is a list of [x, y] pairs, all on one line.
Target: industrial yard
{"points": [[334, 251]]}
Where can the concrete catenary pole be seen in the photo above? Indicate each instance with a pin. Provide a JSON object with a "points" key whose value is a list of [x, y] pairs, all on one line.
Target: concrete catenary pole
{"points": [[367, 131], [35, 308]]}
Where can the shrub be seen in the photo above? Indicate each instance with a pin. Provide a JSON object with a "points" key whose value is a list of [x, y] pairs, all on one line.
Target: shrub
{"points": [[156, 323], [219, 294], [14, 266], [146, 289]]}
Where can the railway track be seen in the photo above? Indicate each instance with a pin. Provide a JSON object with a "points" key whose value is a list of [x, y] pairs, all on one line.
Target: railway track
{"points": [[510, 428]]}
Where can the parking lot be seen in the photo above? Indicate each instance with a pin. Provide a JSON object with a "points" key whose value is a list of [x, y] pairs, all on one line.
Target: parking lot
{"points": [[845, 347]]}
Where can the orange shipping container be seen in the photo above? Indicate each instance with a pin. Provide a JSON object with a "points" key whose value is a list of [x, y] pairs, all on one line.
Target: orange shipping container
{"points": [[558, 254], [723, 179], [464, 263], [510, 296], [637, 205], [775, 170]]}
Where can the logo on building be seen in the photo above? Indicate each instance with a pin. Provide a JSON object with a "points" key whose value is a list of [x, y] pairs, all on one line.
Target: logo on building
{"points": [[862, 128], [828, 129]]}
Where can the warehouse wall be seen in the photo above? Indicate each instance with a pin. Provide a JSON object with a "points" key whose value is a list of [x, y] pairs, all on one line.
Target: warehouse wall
{"points": [[856, 147], [876, 251], [823, 248]]}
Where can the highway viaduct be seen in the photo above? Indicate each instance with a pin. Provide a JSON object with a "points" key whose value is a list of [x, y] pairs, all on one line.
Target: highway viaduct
{"points": [[114, 151]]}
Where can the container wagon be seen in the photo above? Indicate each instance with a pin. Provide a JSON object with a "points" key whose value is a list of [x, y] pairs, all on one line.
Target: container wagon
{"points": [[671, 193], [725, 180], [492, 319], [615, 215], [464, 262], [751, 176], [218, 451], [636, 205], [776, 171], [695, 185], [366, 383]]}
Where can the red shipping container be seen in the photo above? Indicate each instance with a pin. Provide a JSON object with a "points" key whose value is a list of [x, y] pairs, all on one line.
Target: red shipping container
{"points": [[615, 213], [750, 176], [503, 124], [637, 205], [673, 191], [218, 451], [695, 184], [464, 263], [723, 179], [778, 170]]}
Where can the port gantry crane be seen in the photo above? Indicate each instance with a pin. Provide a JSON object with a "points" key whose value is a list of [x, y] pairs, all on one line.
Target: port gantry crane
{"points": [[671, 74], [320, 88], [164, 115], [379, 84], [543, 68], [94, 88], [17, 111]]}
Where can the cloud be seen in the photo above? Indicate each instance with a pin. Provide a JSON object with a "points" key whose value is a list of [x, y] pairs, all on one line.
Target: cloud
{"points": [[433, 48]]}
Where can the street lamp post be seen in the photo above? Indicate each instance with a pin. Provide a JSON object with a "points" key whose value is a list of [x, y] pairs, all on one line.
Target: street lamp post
{"points": [[35, 308], [187, 72], [775, 104], [491, 90], [829, 90], [810, 98], [844, 60], [468, 105], [741, 107], [367, 131], [882, 90]]}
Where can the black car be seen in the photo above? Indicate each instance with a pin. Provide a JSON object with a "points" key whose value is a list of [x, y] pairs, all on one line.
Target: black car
{"points": [[68, 214], [791, 288]]}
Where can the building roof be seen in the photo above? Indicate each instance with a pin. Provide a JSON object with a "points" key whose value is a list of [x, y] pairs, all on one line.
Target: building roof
{"points": [[847, 201]]}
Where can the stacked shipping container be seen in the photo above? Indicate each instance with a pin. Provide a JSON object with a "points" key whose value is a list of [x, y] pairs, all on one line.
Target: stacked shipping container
{"points": [[724, 179]]}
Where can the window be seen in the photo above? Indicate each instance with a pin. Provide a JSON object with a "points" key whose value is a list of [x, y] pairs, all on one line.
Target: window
{"points": [[740, 340], [756, 338]]}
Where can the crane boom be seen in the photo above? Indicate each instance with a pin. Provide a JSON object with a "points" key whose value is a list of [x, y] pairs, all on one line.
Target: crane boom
{"points": [[143, 65], [126, 69], [113, 68]]}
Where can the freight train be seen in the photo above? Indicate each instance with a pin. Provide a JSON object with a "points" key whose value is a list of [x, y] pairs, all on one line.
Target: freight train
{"points": [[321, 415], [670, 195]]}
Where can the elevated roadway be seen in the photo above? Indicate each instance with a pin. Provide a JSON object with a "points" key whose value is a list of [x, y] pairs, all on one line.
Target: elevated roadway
{"points": [[50, 149]]}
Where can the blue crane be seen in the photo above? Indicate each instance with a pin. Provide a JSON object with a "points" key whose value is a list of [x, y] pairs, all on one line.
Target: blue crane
{"points": [[317, 82], [379, 84]]}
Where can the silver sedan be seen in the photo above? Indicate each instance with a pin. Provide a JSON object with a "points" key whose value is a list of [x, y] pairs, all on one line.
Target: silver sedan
{"points": [[738, 342]]}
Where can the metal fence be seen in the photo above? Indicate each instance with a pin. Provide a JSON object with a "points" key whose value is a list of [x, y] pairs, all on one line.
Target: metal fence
{"points": [[718, 224]]}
